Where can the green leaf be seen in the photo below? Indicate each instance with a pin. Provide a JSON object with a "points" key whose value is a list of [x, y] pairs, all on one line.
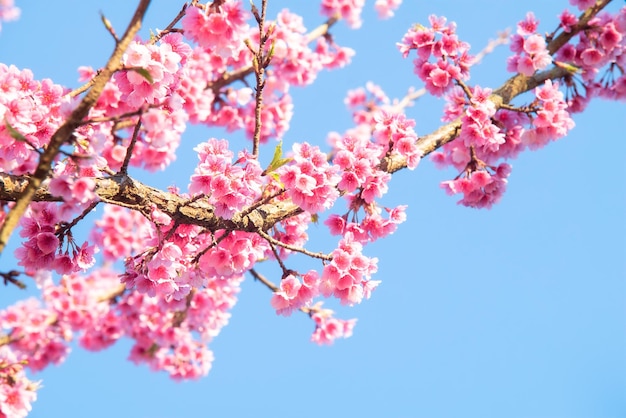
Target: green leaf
{"points": [[142, 72], [277, 160]]}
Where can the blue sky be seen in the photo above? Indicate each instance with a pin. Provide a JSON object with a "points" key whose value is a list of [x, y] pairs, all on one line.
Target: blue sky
{"points": [[514, 312]]}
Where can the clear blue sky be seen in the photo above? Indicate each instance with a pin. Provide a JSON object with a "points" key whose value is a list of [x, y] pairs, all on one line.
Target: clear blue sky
{"points": [[516, 312]]}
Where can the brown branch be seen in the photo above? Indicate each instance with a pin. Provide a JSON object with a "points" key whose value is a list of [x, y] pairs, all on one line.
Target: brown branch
{"points": [[122, 190], [131, 147], [64, 134], [260, 62]]}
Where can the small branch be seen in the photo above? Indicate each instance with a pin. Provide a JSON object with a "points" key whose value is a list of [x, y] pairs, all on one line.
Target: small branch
{"points": [[109, 27], [259, 277], [282, 265], [131, 147], [260, 62], [274, 241], [67, 226], [116, 118], [11, 277], [169, 28]]}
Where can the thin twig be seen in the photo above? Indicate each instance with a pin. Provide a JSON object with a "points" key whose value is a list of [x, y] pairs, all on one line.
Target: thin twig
{"points": [[259, 63], [11, 277], [170, 27], [131, 147], [274, 241]]}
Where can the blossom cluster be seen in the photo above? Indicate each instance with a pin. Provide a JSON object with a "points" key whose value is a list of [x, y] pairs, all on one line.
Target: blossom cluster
{"points": [[440, 44], [31, 110], [531, 53], [8, 11], [170, 336], [17, 393], [601, 45], [295, 294], [309, 180], [43, 247], [481, 188], [228, 185], [328, 329], [347, 276]]}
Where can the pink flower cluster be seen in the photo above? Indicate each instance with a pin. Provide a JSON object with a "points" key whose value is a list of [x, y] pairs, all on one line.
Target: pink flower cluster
{"points": [[380, 131], [35, 334], [601, 45], [75, 185], [328, 329], [171, 335], [293, 58], [347, 276], [451, 58], [385, 8], [121, 232], [349, 10], [372, 227], [478, 129], [309, 180], [236, 253], [480, 188], [294, 294], [552, 121], [220, 30], [8, 11], [531, 53], [228, 185], [395, 131], [43, 248], [81, 303], [492, 135], [154, 96], [32, 108], [358, 159], [17, 393]]}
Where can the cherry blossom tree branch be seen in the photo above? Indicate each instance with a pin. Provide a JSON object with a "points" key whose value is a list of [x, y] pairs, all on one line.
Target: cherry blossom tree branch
{"points": [[512, 88], [124, 191], [64, 134]]}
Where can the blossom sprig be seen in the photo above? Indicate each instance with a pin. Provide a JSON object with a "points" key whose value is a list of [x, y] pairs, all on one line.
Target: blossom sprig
{"points": [[441, 56]]}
